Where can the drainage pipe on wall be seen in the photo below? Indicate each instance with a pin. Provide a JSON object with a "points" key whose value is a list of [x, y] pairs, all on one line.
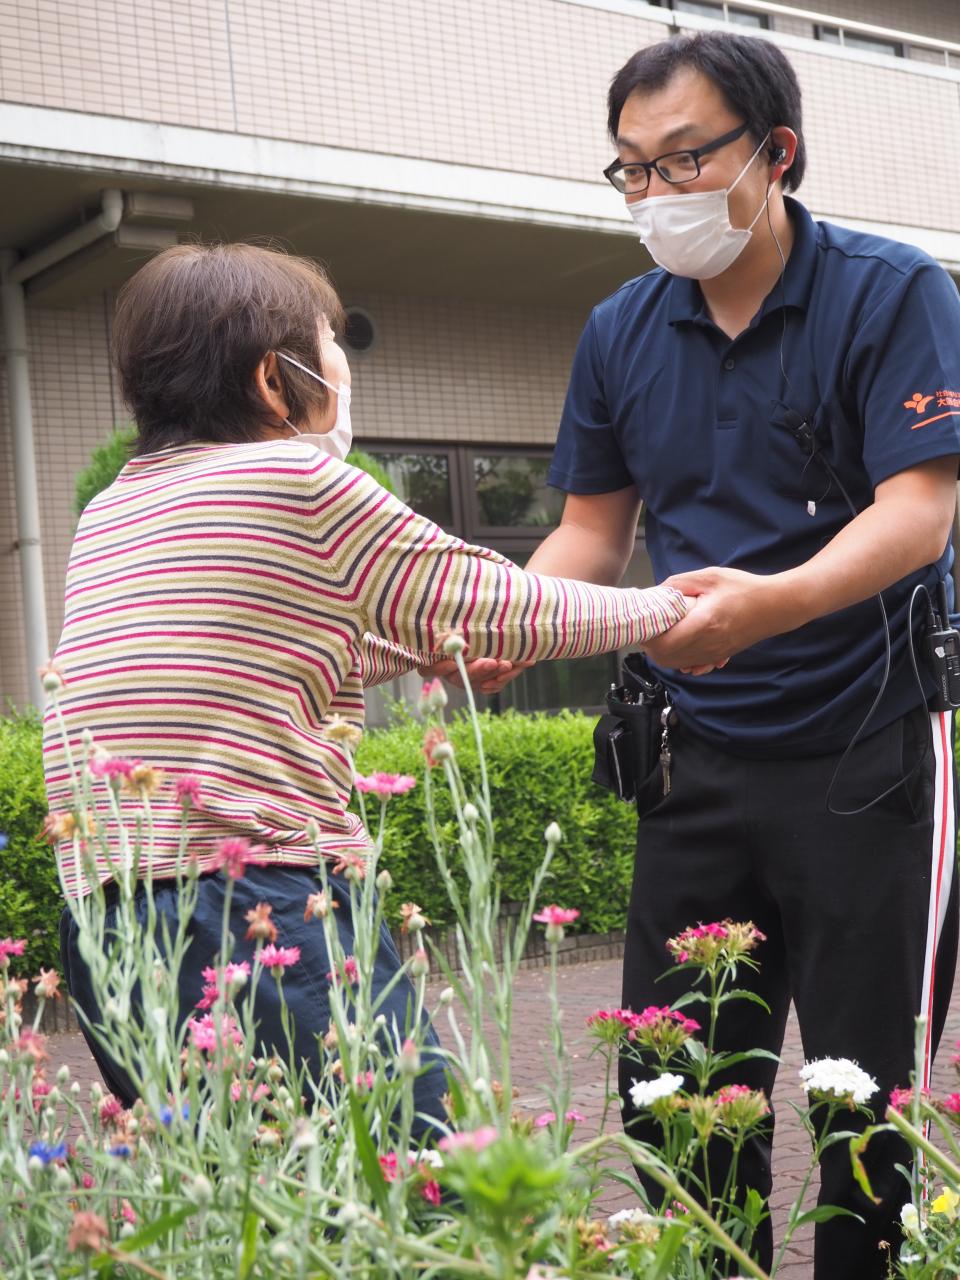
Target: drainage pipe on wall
{"points": [[14, 272]]}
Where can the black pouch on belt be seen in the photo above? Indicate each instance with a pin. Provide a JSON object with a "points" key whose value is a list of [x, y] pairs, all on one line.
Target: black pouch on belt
{"points": [[626, 741]]}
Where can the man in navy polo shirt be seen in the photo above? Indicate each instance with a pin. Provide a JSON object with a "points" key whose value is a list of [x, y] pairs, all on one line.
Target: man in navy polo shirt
{"points": [[772, 374]]}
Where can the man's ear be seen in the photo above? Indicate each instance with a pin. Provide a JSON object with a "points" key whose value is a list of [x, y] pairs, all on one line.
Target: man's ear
{"points": [[266, 378], [783, 147]]}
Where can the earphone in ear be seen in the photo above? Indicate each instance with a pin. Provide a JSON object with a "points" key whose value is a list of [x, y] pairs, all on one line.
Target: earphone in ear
{"points": [[778, 155]]}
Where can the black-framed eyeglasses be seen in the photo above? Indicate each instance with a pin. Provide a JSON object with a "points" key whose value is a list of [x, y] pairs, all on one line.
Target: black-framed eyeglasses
{"points": [[632, 177]]}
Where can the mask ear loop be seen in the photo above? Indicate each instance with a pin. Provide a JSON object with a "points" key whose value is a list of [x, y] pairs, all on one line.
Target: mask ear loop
{"points": [[304, 369]]}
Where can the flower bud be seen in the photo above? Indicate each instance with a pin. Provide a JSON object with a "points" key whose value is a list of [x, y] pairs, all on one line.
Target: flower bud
{"points": [[74, 1088], [453, 644], [408, 1059], [202, 1190], [86, 738], [62, 1177], [35, 1164], [471, 814], [420, 964], [63, 1074], [313, 830], [553, 834], [384, 881], [446, 996]]}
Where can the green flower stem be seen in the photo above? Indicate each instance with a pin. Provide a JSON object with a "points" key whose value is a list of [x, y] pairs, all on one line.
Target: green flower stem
{"points": [[916, 1139]]}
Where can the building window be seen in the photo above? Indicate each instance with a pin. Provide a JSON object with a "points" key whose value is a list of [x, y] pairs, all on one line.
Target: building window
{"points": [[500, 498], [855, 40], [720, 11], [511, 491]]}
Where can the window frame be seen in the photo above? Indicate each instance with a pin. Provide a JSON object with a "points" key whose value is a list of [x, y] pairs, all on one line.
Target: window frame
{"points": [[839, 38]]}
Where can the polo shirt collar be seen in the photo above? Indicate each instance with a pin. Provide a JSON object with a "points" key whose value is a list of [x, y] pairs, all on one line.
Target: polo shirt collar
{"points": [[686, 299]]}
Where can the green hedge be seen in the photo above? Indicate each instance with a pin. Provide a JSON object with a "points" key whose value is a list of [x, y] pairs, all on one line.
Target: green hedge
{"points": [[539, 768], [29, 888], [539, 772]]}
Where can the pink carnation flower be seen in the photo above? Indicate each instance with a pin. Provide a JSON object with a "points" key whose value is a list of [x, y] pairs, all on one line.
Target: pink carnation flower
{"points": [[431, 1191], [203, 1032], [471, 1141], [951, 1103], [11, 947], [350, 971], [102, 765], [186, 790], [385, 785], [556, 915], [234, 855], [279, 958]]}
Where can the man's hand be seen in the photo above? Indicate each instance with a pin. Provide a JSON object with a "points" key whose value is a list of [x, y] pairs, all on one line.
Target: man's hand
{"points": [[733, 611], [486, 675]]}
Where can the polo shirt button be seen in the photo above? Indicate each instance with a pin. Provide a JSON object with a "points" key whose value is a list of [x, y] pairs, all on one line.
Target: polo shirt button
{"points": [[729, 363]]}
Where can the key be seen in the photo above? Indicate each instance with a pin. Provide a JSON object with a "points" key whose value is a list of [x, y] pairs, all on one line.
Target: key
{"points": [[666, 758]]}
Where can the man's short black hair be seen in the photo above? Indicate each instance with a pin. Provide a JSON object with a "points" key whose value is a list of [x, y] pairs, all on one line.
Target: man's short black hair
{"points": [[757, 80]]}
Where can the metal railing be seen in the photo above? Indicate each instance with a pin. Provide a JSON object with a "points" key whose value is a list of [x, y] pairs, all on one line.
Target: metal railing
{"points": [[947, 49]]}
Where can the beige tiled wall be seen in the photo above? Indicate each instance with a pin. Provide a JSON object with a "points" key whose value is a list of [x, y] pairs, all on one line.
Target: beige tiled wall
{"points": [[508, 84], [937, 18], [440, 371], [74, 406]]}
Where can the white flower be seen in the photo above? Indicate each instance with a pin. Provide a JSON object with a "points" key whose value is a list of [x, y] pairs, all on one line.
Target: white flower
{"points": [[644, 1092], [838, 1077], [910, 1219], [633, 1216], [429, 1155]]}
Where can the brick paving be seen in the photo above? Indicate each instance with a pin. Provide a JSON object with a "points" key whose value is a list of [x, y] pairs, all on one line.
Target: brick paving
{"points": [[583, 988]]}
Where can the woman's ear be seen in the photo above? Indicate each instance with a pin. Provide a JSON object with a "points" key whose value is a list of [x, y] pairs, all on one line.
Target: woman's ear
{"points": [[266, 378]]}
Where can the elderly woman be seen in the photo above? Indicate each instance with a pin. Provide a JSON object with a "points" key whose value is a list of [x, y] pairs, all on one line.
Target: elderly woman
{"points": [[234, 591]]}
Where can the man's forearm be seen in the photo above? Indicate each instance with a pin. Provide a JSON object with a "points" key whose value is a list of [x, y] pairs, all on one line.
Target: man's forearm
{"points": [[573, 551], [883, 545]]}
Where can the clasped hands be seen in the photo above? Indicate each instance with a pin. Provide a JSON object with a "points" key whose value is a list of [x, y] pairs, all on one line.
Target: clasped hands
{"points": [[733, 611]]}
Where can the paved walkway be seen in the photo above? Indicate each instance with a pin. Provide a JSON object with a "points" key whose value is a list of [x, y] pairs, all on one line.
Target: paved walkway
{"points": [[584, 988]]}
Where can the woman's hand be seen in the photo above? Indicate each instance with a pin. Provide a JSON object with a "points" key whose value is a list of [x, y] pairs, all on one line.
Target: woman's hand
{"points": [[486, 675]]}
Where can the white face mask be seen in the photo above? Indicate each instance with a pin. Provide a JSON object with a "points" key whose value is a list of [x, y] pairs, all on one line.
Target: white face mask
{"points": [[690, 235], [339, 439]]}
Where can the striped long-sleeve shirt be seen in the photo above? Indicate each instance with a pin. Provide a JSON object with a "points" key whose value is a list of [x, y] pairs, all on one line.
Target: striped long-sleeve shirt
{"points": [[225, 606]]}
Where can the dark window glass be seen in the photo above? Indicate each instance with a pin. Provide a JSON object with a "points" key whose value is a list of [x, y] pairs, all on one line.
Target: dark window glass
{"points": [[576, 683], [422, 481], [706, 9], [512, 491], [867, 44]]}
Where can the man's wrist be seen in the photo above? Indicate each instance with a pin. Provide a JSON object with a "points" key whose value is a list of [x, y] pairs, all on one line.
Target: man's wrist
{"points": [[792, 599]]}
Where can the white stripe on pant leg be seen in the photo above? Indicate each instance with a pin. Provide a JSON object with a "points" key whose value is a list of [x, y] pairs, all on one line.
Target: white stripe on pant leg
{"points": [[941, 867]]}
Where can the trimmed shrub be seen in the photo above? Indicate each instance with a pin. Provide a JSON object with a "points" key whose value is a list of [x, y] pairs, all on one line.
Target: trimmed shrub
{"points": [[539, 767], [106, 463], [30, 900], [539, 773]]}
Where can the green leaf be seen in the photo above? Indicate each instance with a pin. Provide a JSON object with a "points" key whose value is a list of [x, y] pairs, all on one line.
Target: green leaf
{"points": [[731, 1059], [857, 1147], [367, 1154], [823, 1213], [741, 993], [152, 1232], [251, 1231], [668, 1246]]}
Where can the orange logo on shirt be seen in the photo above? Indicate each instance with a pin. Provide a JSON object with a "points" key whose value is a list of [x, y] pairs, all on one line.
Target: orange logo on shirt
{"points": [[918, 402]]}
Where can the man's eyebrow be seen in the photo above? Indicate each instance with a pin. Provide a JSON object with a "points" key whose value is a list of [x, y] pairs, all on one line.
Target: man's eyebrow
{"points": [[671, 136]]}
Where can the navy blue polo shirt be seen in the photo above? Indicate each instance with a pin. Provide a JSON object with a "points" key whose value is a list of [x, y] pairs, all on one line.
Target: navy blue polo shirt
{"points": [[661, 398]]}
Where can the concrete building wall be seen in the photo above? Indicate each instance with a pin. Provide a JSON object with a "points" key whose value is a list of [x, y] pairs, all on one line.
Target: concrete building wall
{"points": [[509, 85], [440, 371]]}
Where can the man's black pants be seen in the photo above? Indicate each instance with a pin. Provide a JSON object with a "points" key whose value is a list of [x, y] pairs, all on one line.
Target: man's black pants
{"points": [[860, 914]]}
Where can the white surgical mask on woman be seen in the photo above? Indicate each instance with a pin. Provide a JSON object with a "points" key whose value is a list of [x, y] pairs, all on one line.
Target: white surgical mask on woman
{"points": [[690, 235], [338, 440]]}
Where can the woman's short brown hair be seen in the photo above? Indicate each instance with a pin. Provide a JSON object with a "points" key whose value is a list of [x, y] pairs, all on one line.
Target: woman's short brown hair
{"points": [[193, 324]]}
